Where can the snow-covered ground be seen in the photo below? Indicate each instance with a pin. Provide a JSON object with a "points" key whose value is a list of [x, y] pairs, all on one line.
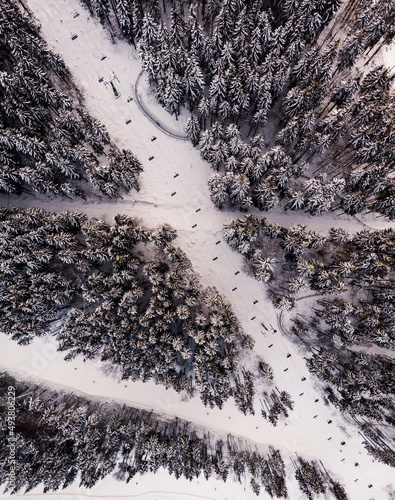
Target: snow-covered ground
{"points": [[307, 431], [388, 56]]}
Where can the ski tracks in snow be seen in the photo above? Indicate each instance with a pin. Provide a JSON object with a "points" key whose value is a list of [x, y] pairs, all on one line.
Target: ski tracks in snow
{"points": [[197, 223], [163, 128]]}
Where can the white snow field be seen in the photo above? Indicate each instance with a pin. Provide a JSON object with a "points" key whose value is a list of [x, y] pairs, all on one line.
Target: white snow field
{"points": [[306, 431]]}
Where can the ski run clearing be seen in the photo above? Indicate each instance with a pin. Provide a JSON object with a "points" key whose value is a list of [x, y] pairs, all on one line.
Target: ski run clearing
{"points": [[165, 197]]}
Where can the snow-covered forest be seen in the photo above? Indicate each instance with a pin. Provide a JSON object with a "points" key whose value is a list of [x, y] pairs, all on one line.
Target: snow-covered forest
{"points": [[273, 335], [358, 270], [310, 103], [123, 294], [48, 140]]}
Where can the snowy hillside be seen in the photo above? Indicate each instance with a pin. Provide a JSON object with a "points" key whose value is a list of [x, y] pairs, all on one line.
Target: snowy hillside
{"points": [[173, 189]]}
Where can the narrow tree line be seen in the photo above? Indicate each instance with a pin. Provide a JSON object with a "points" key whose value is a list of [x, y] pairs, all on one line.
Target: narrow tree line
{"points": [[62, 438], [276, 405]]}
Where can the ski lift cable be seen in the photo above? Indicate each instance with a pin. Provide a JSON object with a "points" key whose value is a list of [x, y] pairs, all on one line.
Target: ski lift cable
{"points": [[246, 292], [98, 69], [83, 29], [279, 339], [241, 282], [243, 298]]}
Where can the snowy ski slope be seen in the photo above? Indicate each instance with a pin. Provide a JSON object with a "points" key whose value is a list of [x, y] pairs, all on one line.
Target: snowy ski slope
{"points": [[92, 56]]}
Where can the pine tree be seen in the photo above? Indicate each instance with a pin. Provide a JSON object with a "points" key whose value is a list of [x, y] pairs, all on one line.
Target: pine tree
{"points": [[193, 83], [239, 188], [218, 190], [125, 19], [206, 144], [193, 130]]}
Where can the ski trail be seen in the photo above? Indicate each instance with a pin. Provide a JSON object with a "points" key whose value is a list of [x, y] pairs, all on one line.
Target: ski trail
{"points": [[198, 226]]}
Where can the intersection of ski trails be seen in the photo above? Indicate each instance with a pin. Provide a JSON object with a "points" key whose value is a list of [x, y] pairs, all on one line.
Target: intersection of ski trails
{"points": [[92, 56]]}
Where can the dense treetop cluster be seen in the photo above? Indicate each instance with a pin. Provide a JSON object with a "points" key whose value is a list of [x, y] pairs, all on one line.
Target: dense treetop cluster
{"points": [[48, 141], [293, 259], [359, 383], [76, 438], [339, 333], [267, 67], [124, 294]]}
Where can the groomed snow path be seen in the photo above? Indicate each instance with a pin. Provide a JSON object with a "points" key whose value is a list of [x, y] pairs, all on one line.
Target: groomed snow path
{"points": [[91, 56]]}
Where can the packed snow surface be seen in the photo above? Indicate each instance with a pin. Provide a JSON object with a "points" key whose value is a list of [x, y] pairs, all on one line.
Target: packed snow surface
{"points": [[90, 57]]}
